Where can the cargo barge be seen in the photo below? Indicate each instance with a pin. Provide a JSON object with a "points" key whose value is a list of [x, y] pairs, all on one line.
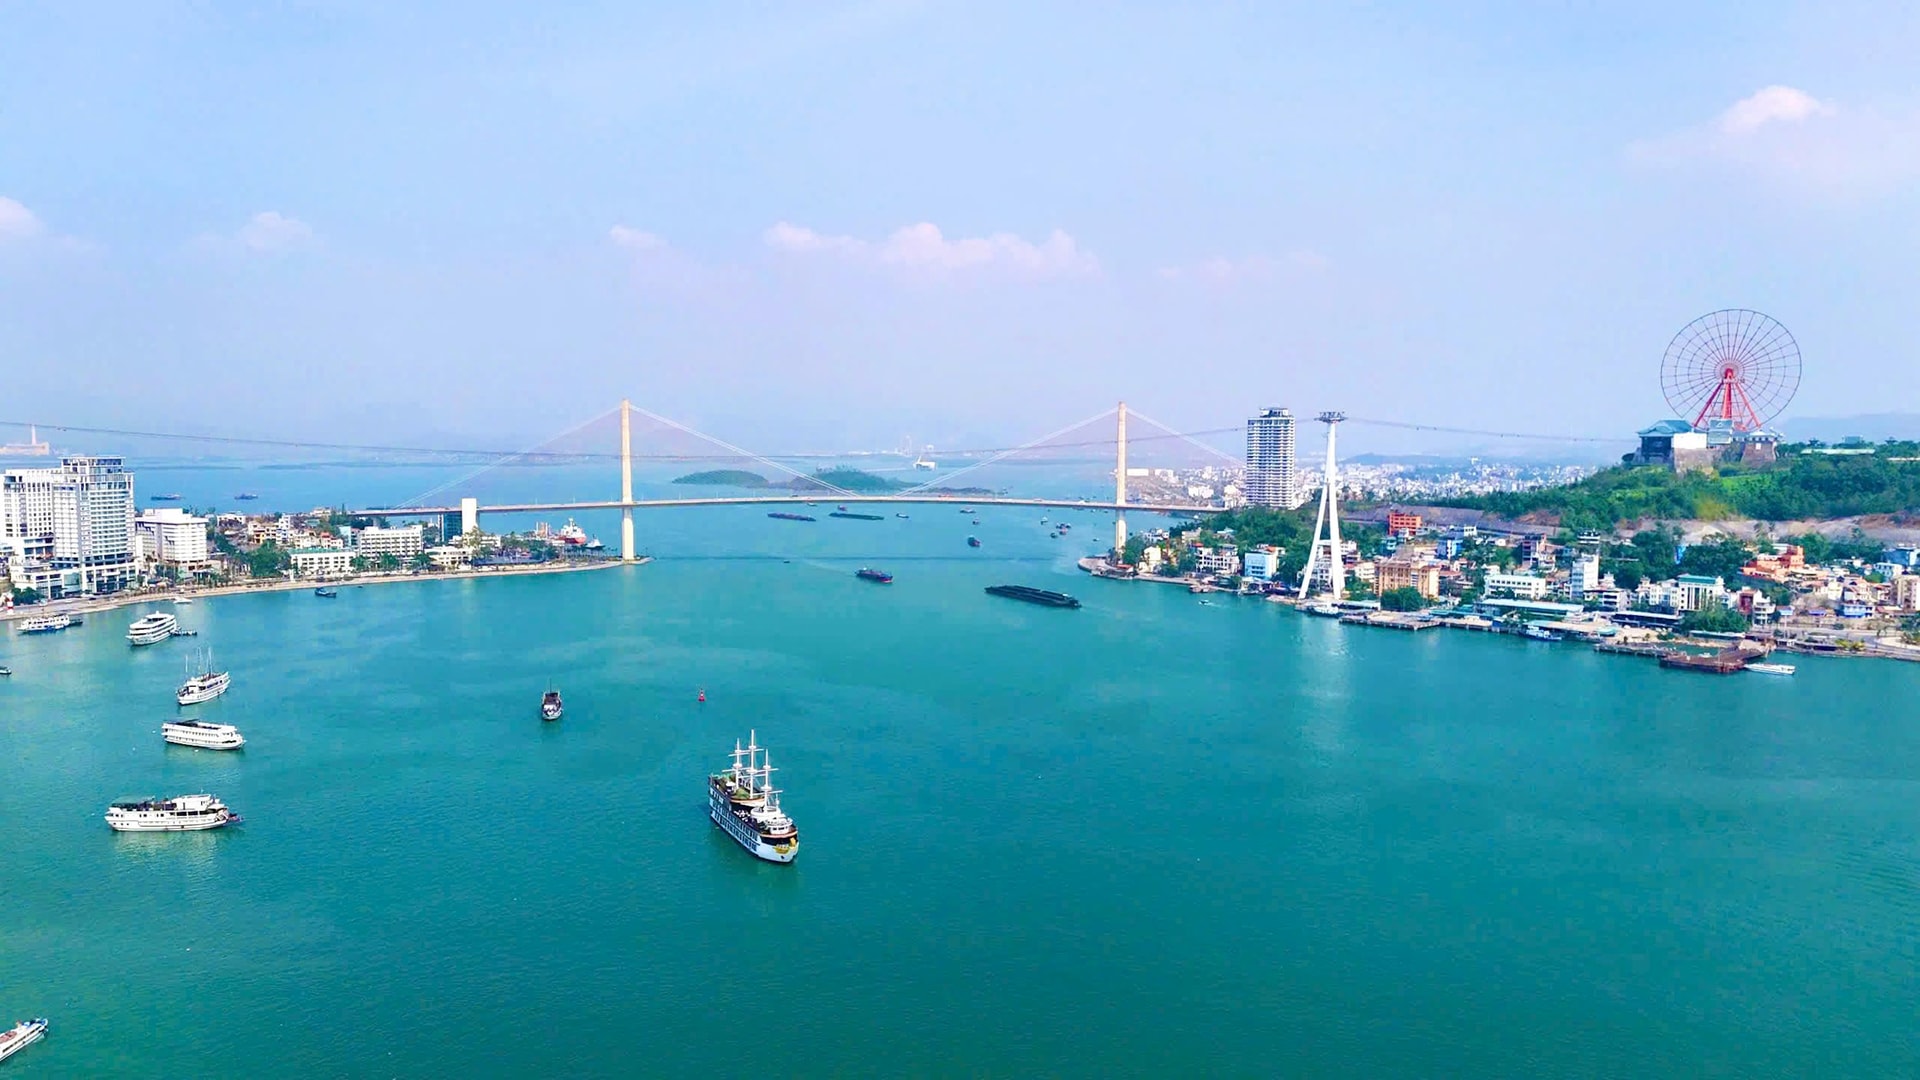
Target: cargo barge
{"points": [[784, 516], [856, 516], [1033, 596]]}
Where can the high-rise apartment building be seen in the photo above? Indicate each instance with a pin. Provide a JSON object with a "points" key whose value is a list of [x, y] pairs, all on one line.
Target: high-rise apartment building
{"points": [[71, 526], [1271, 478]]}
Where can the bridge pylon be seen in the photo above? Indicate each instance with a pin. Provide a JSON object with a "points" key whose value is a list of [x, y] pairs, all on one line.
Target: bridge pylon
{"points": [[626, 481], [1120, 483]]}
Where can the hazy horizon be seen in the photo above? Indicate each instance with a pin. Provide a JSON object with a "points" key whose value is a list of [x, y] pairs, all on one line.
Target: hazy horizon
{"points": [[839, 227]]}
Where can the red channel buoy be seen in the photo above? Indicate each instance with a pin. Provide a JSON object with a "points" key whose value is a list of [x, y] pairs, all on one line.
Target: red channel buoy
{"points": [[703, 695]]}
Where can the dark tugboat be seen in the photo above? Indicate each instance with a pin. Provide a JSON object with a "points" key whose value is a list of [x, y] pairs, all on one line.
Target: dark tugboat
{"points": [[973, 541], [550, 705], [869, 574]]}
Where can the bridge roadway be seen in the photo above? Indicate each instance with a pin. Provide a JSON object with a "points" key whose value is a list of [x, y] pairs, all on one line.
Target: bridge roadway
{"points": [[790, 500]]}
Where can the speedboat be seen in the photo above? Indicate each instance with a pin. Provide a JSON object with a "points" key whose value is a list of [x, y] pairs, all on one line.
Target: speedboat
{"points": [[1771, 669], [326, 592], [22, 1035], [550, 705], [5, 672]]}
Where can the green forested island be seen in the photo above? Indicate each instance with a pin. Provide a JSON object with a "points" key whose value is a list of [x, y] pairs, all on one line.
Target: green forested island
{"points": [[846, 479], [724, 478], [1800, 486]]}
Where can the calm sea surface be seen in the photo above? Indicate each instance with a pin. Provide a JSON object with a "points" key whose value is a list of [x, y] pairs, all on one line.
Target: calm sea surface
{"points": [[1146, 838]]}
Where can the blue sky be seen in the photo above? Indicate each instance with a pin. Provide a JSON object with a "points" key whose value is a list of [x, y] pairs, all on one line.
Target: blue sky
{"points": [[838, 224]]}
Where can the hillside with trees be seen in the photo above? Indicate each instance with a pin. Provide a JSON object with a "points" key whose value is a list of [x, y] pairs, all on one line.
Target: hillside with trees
{"points": [[1799, 487]]}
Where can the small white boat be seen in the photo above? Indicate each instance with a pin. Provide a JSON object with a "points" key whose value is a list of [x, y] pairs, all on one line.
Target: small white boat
{"points": [[182, 813], [152, 629], [178, 600], [1771, 669], [22, 1035], [202, 735]]}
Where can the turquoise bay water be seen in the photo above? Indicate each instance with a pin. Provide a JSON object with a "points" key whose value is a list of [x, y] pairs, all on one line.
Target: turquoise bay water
{"points": [[1143, 838]]}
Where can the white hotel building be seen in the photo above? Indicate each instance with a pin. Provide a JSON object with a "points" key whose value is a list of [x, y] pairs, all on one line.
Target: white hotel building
{"points": [[171, 535], [403, 542], [68, 529]]}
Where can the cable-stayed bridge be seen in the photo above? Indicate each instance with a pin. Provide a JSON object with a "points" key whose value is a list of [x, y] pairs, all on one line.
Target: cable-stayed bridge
{"points": [[812, 487]]}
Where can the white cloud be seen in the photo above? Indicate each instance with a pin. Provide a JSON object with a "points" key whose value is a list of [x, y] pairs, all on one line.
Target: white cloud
{"points": [[1782, 104], [1221, 270], [924, 247], [16, 221], [1785, 134], [271, 231], [635, 239]]}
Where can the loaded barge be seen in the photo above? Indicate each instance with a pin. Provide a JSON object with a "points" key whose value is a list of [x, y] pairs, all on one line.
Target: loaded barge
{"points": [[855, 516], [1033, 596]]}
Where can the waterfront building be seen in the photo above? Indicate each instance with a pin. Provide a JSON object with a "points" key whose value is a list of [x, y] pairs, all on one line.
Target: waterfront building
{"points": [[1695, 592], [1608, 597], [1222, 560], [1408, 569], [171, 535], [319, 562], [450, 556], [1272, 479], [1522, 586], [403, 542], [70, 526], [1584, 576], [1262, 564], [1150, 559]]}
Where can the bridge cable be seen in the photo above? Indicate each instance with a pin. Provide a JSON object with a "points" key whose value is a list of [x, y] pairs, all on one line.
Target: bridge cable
{"points": [[769, 462], [952, 476]]}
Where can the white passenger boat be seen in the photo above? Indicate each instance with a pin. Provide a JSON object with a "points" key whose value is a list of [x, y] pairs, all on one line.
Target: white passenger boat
{"points": [[202, 735], [152, 629], [205, 686], [743, 801], [22, 1035], [1771, 669], [182, 813], [45, 624]]}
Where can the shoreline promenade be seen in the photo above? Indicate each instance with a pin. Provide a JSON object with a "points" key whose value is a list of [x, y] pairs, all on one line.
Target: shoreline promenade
{"points": [[91, 605]]}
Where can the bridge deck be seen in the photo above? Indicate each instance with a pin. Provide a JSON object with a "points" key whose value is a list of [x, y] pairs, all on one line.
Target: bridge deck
{"points": [[789, 500]]}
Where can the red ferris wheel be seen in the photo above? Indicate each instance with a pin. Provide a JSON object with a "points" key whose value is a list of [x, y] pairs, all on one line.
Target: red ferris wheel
{"points": [[1736, 367]]}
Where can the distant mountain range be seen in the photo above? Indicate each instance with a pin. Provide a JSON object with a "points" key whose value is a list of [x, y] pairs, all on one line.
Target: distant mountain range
{"points": [[1870, 426]]}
